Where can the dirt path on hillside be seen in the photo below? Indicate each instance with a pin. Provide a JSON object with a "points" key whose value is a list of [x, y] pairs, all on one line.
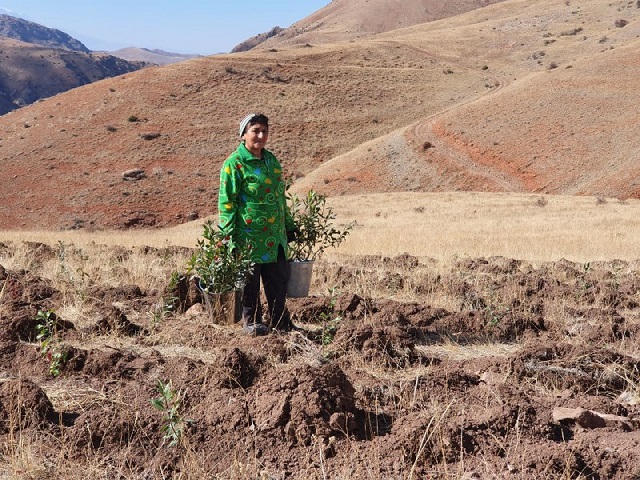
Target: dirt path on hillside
{"points": [[424, 131]]}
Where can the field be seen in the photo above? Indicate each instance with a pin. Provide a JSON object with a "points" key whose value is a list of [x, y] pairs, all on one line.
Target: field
{"points": [[482, 319], [452, 336]]}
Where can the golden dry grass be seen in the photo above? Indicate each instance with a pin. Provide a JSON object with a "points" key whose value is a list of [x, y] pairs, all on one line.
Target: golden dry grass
{"points": [[442, 226], [522, 226]]}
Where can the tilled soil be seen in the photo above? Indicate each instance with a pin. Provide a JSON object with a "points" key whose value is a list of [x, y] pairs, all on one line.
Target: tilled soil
{"points": [[520, 371]]}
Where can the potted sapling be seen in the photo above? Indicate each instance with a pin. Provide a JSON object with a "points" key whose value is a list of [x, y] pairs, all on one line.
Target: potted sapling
{"points": [[315, 233], [220, 268]]}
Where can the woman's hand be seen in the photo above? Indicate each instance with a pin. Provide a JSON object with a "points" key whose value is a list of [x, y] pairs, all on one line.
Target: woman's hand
{"points": [[292, 235]]}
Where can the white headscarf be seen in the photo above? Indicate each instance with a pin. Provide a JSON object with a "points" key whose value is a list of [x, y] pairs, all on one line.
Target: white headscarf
{"points": [[245, 121]]}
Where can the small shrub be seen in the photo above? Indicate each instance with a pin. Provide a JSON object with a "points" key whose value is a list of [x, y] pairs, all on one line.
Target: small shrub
{"points": [[111, 128], [51, 347], [133, 119], [170, 404], [219, 264], [330, 319], [316, 231], [569, 33], [149, 135]]}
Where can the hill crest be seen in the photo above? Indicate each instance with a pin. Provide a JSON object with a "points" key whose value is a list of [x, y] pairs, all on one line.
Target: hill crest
{"points": [[30, 32], [348, 20]]}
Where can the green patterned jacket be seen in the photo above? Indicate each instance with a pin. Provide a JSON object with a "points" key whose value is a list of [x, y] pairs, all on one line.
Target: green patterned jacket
{"points": [[252, 203]]}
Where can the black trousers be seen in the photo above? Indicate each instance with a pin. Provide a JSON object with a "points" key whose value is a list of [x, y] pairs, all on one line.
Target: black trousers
{"points": [[274, 280]]}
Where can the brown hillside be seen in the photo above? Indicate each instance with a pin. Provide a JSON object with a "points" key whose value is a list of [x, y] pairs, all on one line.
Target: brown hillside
{"points": [[459, 104], [343, 20], [554, 115]]}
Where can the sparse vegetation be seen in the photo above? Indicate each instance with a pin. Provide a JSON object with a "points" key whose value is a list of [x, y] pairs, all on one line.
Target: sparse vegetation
{"points": [[569, 33], [170, 404], [315, 221], [149, 135], [51, 347], [329, 318], [542, 201]]}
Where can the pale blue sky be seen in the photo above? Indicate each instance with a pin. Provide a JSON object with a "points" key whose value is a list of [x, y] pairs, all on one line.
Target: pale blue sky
{"points": [[180, 26]]}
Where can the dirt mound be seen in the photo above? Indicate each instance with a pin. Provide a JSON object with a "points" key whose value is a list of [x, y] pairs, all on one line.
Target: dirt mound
{"points": [[518, 371], [304, 403], [23, 405]]}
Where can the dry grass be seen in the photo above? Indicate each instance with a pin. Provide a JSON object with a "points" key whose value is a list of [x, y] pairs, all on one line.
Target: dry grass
{"points": [[454, 351], [449, 225], [442, 226]]}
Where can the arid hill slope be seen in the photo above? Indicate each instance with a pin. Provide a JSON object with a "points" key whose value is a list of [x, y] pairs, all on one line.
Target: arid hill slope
{"points": [[179, 122], [343, 20], [557, 115], [464, 103]]}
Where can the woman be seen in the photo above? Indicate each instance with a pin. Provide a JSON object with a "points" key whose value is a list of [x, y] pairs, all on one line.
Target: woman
{"points": [[252, 210]]}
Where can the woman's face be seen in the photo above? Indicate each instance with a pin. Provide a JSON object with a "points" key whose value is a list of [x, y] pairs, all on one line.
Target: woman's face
{"points": [[255, 138]]}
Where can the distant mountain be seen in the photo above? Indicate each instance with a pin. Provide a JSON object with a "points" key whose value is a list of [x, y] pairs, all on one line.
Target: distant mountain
{"points": [[155, 56], [29, 32], [39, 62]]}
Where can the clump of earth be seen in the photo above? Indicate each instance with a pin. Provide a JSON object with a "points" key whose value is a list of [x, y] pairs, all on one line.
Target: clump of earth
{"points": [[492, 368]]}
